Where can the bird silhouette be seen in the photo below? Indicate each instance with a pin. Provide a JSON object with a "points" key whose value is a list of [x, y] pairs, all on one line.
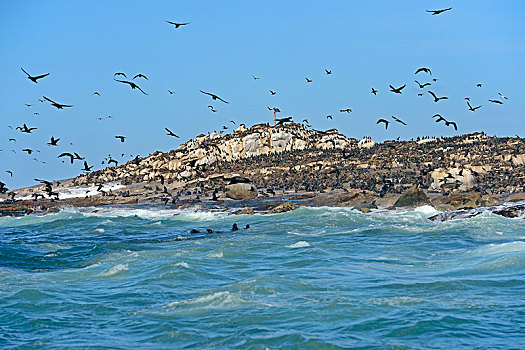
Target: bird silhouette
{"points": [[473, 109], [213, 96], [177, 25], [55, 104], [329, 117], [496, 101], [25, 129], [383, 121], [171, 92], [255, 78], [347, 110], [500, 95], [86, 167], [140, 75], [132, 85], [399, 120], [437, 12], [121, 138], [397, 90], [272, 92], [120, 73], [308, 80], [67, 154], [374, 91], [96, 93], [170, 133], [34, 79], [328, 72], [422, 86], [436, 99], [423, 69], [53, 142]]}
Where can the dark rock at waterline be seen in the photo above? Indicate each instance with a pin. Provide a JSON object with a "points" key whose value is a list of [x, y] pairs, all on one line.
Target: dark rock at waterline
{"points": [[414, 196], [513, 211], [281, 208]]}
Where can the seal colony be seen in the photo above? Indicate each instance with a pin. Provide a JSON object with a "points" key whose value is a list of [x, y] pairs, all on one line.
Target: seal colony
{"points": [[277, 168]]}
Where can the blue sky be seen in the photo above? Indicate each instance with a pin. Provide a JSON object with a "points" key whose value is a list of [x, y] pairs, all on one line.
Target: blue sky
{"points": [[365, 44]]}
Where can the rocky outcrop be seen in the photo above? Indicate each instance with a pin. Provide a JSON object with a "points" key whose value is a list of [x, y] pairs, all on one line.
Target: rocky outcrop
{"points": [[452, 179], [281, 208], [240, 191], [414, 196]]}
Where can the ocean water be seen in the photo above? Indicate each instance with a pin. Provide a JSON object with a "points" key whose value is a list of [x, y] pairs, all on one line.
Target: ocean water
{"points": [[314, 278]]}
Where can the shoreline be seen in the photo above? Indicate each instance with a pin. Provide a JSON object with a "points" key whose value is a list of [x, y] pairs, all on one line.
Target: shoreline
{"points": [[448, 205]]}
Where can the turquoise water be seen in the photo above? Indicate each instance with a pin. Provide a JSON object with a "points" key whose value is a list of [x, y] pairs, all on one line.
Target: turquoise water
{"points": [[313, 278]]}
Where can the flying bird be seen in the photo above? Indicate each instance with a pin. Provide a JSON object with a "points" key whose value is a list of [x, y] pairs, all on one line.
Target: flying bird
{"points": [[140, 75], [347, 110], [272, 92], [35, 78], [9, 172], [96, 93], [328, 72], [55, 104], [170, 133], [171, 92], [53, 142], [308, 80], [423, 69], [496, 101], [383, 121], [213, 96], [473, 109], [479, 85], [86, 167], [177, 25], [67, 154], [447, 123], [25, 129], [131, 84], [120, 73], [399, 120], [422, 86], [436, 99], [374, 91], [122, 138], [500, 95], [255, 78], [329, 117], [437, 12], [397, 90]]}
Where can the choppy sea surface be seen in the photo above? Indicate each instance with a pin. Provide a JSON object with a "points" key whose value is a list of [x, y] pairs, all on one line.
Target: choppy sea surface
{"points": [[323, 278]]}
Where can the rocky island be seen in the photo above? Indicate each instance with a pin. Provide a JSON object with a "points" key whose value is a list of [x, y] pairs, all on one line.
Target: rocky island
{"points": [[268, 168]]}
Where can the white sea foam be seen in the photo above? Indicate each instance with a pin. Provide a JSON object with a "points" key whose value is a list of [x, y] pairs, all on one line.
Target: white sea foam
{"points": [[508, 247], [150, 213], [300, 244], [218, 300], [396, 301], [215, 255], [114, 270], [183, 264], [99, 230]]}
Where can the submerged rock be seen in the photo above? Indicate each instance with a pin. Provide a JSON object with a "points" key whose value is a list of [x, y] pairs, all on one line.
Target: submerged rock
{"points": [[512, 211], [281, 208], [248, 211], [414, 196]]}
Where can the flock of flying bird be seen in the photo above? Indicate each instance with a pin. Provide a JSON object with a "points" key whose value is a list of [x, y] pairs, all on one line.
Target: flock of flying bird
{"points": [[132, 83]]}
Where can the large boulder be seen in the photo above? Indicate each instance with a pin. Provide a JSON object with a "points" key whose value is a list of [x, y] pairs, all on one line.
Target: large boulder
{"points": [[414, 196], [240, 191]]}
